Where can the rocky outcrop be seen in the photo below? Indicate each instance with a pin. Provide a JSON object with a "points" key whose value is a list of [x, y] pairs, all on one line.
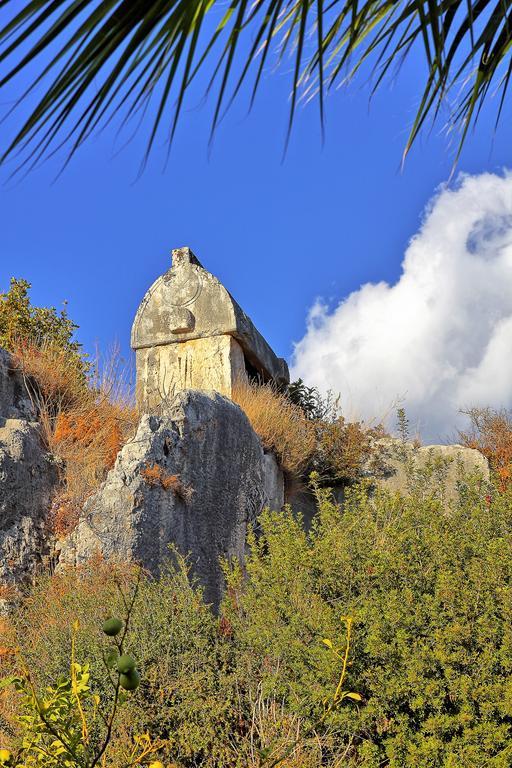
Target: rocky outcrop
{"points": [[402, 467], [195, 477], [437, 469], [27, 480]]}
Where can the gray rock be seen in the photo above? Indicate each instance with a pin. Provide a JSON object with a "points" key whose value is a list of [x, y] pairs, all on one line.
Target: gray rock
{"points": [[302, 500], [194, 477], [433, 469], [273, 480], [27, 481], [14, 400]]}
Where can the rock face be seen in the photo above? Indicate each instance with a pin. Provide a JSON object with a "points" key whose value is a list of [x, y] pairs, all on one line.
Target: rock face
{"points": [[403, 468], [14, 400], [196, 477], [27, 481]]}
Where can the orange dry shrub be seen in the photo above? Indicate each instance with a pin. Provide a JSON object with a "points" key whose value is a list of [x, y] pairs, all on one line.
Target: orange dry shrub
{"points": [[154, 474], [280, 424], [84, 422], [491, 434]]}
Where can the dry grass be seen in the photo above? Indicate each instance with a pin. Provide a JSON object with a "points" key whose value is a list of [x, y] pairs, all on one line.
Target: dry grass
{"points": [[84, 423], [491, 434], [280, 424]]}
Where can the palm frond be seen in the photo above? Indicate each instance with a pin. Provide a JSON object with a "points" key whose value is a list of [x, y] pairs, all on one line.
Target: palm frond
{"points": [[93, 60]]}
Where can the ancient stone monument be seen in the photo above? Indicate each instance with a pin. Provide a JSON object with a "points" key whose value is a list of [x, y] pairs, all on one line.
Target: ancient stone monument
{"points": [[189, 333]]}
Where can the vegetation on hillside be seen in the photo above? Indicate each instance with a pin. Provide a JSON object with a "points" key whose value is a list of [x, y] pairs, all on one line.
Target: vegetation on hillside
{"points": [[427, 588], [22, 324], [67, 724], [490, 432]]}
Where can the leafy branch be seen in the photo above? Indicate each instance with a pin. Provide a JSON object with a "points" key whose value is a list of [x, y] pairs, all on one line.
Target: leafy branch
{"points": [[96, 60]]}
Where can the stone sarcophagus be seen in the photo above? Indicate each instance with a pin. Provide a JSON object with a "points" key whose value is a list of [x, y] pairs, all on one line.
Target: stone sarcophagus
{"points": [[189, 333]]}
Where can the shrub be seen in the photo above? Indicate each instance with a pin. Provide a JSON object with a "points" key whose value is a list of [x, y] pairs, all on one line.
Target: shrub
{"points": [[429, 588], [307, 432], [491, 433], [427, 585], [154, 474], [345, 451], [68, 725], [22, 323]]}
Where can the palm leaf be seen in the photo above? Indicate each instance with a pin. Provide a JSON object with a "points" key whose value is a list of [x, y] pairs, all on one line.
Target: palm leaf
{"points": [[93, 60]]}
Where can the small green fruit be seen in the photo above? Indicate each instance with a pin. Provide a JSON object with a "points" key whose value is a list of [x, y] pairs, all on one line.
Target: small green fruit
{"points": [[125, 664], [112, 627], [131, 681]]}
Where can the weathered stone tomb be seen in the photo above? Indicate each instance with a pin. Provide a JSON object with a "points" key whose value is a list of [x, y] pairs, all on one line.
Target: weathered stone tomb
{"points": [[189, 333]]}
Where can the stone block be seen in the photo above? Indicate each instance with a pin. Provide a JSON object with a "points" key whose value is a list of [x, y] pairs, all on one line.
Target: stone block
{"points": [[214, 363]]}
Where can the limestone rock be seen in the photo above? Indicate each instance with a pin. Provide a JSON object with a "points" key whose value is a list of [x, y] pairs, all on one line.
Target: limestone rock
{"points": [[14, 400], [27, 480], [195, 477], [435, 467], [273, 482]]}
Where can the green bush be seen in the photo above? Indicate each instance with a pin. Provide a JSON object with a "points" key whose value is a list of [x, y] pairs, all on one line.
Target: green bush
{"points": [[428, 586], [22, 323]]}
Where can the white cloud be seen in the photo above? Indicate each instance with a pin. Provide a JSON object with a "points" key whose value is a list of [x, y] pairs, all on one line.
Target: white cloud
{"points": [[441, 337]]}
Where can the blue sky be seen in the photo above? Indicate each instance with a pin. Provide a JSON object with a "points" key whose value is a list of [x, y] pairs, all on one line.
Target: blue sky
{"points": [[279, 234]]}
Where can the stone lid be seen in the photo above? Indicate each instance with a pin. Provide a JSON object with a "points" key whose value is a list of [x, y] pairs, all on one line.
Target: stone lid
{"points": [[188, 302]]}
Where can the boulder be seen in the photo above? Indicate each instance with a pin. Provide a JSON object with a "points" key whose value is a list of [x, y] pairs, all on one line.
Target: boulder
{"points": [[194, 477], [27, 481], [436, 469], [273, 482]]}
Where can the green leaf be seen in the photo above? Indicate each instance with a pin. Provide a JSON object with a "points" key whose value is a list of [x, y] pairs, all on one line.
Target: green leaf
{"points": [[5, 682], [117, 57]]}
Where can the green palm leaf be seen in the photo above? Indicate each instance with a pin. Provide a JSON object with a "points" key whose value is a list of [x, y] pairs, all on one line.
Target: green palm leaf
{"points": [[97, 60]]}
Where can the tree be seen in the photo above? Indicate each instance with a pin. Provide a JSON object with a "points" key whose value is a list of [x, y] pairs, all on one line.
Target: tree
{"points": [[23, 324], [110, 57]]}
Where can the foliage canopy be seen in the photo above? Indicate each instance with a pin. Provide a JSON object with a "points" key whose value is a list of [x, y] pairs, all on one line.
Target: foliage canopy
{"points": [[22, 323]]}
